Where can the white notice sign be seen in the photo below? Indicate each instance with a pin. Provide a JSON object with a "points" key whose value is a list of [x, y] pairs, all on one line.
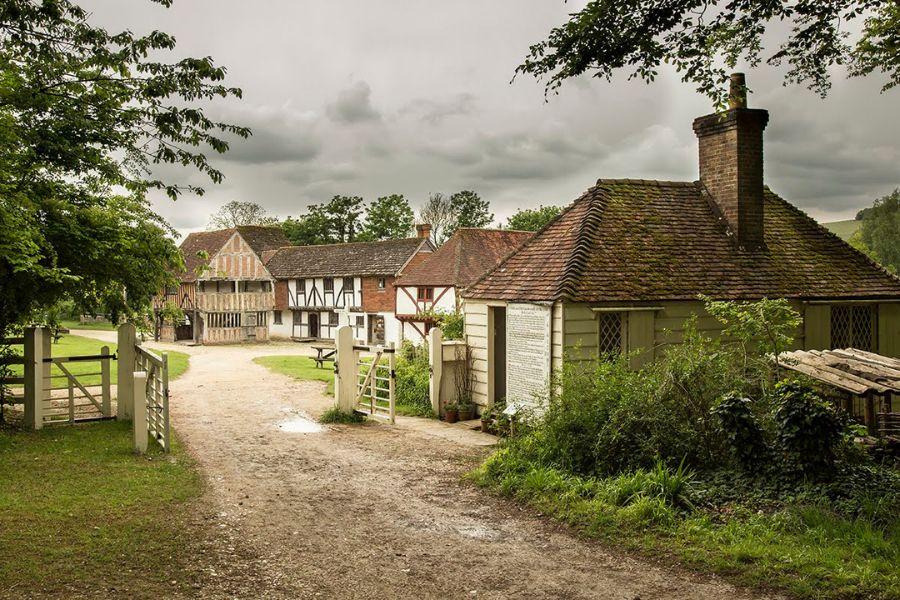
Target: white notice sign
{"points": [[527, 351]]}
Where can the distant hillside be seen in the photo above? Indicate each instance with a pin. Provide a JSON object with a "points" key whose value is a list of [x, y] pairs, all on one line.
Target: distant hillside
{"points": [[844, 229]]}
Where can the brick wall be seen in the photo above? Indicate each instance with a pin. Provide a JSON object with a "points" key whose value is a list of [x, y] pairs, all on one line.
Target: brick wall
{"points": [[378, 300], [731, 168], [281, 294]]}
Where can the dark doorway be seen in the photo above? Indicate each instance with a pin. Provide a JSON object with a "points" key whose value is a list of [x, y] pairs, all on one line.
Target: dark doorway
{"points": [[499, 319], [376, 330], [313, 325]]}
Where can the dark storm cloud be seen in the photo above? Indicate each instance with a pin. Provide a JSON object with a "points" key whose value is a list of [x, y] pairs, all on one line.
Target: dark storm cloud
{"points": [[371, 98], [353, 105]]}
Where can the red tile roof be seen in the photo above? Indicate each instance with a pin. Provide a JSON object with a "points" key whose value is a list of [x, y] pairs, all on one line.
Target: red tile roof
{"points": [[464, 258], [633, 240]]}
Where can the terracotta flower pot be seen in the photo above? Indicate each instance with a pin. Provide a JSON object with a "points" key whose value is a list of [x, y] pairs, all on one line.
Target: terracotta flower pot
{"points": [[451, 415], [486, 425], [466, 414]]}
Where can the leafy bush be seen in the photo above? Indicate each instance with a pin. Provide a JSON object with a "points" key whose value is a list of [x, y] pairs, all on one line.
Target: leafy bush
{"points": [[452, 324], [809, 430], [412, 383], [742, 430]]}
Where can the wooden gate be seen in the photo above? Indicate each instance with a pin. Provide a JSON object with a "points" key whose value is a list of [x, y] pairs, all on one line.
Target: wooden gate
{"points": [[155, 394], [77, 394], [375, 381]]}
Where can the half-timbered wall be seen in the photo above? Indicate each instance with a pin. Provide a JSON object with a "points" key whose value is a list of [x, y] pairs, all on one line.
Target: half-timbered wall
{"points": [[411, 300], [311, 292], [236, 261]]}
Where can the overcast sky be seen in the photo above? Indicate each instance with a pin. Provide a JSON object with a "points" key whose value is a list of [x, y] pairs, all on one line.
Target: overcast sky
{"points": [[371, 97]]}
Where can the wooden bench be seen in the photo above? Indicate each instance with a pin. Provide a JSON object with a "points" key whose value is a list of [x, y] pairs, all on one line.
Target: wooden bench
{"points": [[323, 354]]}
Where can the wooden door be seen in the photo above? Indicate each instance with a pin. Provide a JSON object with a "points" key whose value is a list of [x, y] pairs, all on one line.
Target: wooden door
{"points": [[376, 330], [313, 325]]}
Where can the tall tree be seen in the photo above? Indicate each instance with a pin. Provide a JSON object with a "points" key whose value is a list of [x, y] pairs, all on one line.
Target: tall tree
{"points": [[85, 112], [879, 232], [469, 210], [439, 215], [704, 39], [344, 215], [309, 229], [388, 217], [532, 219], [237, 213]]}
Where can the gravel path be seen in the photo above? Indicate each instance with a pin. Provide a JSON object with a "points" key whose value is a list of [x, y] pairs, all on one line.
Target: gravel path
{"points": [[375, 511], [370, 511]]}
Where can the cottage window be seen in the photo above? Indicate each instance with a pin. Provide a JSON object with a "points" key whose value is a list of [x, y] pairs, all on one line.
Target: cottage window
{"points": [[348, 284], [328, 284], [171, 290], [854, 326], [332, 318], [612, 333], [382, 283], [298, 317], [301, 286], [276, 317], [360, 322], [425, 293]]}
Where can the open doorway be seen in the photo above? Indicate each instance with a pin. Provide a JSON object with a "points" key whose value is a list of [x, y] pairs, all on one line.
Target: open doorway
{"points": [[314, 325], [498, 314]]}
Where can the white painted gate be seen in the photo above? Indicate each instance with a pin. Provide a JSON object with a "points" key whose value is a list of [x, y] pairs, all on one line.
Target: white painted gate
{"points": [[376, 375]]}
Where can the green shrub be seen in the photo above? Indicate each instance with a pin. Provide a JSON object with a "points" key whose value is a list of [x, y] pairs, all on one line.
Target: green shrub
{"points": [[809, 430], [412, 383], [335, 415], [742, 430]]}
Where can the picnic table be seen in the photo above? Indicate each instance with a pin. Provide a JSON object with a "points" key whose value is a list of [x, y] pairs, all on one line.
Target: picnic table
{"points": [[323, 354]]}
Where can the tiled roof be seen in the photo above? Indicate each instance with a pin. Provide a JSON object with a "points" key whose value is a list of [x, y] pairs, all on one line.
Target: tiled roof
{"points": [[260, 238], [465, 257], [345, 260], [631, 240]]}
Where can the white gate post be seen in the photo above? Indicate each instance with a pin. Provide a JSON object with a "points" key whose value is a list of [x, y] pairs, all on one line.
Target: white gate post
{"points": [[436, 362], [34, 349], [139, 406], [125, 371], [345, 373]]}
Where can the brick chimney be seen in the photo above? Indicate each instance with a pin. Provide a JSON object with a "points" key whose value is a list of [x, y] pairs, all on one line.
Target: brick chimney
{"points": [[423, 230], [731, 163]]}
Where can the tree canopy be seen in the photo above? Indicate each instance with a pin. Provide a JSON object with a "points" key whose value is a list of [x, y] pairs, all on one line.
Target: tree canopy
{"points": [[705, 39], [532, 219], [879, 231], [85, 116], [237, 213], [388, 218], [438, 213], [469, 210]]}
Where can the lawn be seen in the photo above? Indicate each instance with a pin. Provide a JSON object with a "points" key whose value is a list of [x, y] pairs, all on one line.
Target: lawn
{"points": [[74, 345], [843, 229], [80, 512], [100, 325], [299, 367]]}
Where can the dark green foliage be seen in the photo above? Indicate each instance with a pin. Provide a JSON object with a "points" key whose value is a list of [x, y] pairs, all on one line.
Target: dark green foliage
{"points": [[879, 231], [469, 210], [809, 430], [704, 39], [413, 376], [742, 430], [533, 219], [87, 115], [388, 218], [336, 416]]}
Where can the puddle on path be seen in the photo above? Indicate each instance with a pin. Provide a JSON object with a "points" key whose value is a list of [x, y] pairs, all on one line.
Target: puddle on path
{"points": [[300, 425]]}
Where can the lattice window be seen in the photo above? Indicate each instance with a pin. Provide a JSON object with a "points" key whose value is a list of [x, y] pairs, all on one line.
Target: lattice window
{"points": [[612, 333], [854, 326]]}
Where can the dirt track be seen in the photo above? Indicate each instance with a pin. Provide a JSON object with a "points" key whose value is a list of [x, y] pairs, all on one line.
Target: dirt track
{"points": [[374, 511]]}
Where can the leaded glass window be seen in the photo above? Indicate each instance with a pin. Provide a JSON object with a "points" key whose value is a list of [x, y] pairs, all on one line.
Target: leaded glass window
{"points": [[853, 326], [612, 333]]}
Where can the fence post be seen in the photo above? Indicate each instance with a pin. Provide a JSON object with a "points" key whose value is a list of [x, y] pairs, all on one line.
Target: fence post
{"points": [[139, 410], [105, 382], [125, 371], [392, 365], [436, 368], [34, 377], [345, 375]]}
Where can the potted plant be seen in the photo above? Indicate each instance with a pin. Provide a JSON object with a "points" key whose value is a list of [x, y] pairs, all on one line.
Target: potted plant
{"points": [[487, 419], [466, 410], [451, 412]]}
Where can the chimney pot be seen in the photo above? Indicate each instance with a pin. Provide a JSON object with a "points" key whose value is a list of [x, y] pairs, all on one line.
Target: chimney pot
{"points": [[737, 91], [423, 230]]}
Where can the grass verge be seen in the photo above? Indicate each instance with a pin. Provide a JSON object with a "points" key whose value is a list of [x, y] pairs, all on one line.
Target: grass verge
{"points": [[79, 511], [806, 550], [98, 326], [299, 367]]}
